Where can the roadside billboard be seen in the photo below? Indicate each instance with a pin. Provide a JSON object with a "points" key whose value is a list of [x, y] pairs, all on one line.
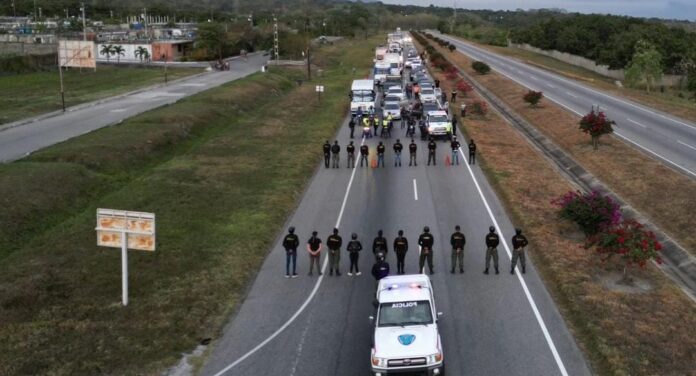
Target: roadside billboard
{"points": [[76, 53], [139, 229]]}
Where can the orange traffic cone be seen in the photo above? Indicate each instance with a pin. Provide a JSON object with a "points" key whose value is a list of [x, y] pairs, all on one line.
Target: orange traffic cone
{"points": [[448, 162], [374, 163]]}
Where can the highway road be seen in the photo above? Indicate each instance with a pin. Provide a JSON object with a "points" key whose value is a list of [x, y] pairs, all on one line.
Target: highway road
{"points": [[492, 325], [22, 140], [667, 138]]}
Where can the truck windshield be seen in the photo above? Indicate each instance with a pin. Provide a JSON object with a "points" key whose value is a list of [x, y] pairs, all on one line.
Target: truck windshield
{"points": [[438, 119], [382, 70], [405, 313], [363, 96]]}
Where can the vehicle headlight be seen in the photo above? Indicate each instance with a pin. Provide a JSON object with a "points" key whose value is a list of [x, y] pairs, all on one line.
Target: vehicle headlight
{"points": [[435, 358], [379, 362]]}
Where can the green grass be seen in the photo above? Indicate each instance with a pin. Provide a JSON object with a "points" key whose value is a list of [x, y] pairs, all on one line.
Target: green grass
{"points": [[31, 94], [198, 166]]}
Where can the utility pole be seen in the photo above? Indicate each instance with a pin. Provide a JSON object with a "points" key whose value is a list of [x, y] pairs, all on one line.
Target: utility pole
{"points": [[276, 50], [35, 11], [309, 71], [84, 23], [147, 31], [14, 11], [454, 17]]}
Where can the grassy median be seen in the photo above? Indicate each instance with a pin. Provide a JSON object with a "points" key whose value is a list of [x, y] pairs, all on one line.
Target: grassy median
{"points": [[644, 332], [30, 94], [222, 170]]}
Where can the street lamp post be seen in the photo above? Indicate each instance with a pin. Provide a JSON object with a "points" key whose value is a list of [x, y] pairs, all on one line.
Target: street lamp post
{"points": [[84, 23]]}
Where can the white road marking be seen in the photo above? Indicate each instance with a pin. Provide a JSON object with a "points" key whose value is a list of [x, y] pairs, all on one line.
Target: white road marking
{"points": [[687, 145], [119, 110], [530, 299], [571, 94], [636, 123], [551, 86], [309, 298], [533, 77], [657, 155], [415, 190]]}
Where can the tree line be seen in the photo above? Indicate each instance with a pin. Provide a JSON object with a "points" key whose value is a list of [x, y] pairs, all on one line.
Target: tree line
{"points": [[612, 40]]}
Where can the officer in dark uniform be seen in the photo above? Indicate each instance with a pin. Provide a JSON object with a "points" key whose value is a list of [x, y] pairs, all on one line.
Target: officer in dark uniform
{"points": [[426, 241], [457, 240], [412, 148], [519, 241], [354, 247], [333, 243], [400, 248], [351, 125], [335, 151], [472, 152], [314, 250], [455, 150], [398, 147], [290, 243], [379, 245], [380, 154], [364, 152], [492, 241], [327, 153], [432, 146], [380, 269], [350, 149], [454, 126]]}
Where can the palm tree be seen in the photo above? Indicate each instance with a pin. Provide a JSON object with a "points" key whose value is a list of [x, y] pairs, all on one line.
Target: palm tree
{"points": [[108, 50], [119, 51], [142, 53]]}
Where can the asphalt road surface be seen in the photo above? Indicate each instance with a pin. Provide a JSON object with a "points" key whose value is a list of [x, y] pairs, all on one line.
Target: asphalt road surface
{"points": [[20, 141], [492, 325], [669, 139]]}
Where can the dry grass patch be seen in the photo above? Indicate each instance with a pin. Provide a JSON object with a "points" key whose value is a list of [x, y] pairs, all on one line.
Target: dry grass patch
{"points": [[650, 333], [663, 195]]}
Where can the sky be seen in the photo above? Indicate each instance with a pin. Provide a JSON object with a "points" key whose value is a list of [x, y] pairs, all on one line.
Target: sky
{"points": [[671, 9]]}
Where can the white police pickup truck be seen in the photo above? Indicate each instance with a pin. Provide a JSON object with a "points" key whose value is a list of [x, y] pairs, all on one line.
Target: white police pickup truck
{"points": [[406, 339]]}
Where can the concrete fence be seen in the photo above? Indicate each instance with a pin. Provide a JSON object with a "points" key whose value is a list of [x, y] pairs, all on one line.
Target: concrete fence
{"points": [[579, 61], [19, 48]]}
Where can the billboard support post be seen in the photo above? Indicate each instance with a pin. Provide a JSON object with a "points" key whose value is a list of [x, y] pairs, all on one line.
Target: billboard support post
{"points": [[124, 268]]}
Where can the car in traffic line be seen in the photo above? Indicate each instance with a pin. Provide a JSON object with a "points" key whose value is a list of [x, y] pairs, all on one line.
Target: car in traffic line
{"points": [[438, 123], [396, 91], [406, 338], [393, 109]]}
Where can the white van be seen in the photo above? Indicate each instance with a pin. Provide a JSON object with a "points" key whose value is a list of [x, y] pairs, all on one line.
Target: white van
{"points": [[362, 95], [381, 71], [406, 338]]}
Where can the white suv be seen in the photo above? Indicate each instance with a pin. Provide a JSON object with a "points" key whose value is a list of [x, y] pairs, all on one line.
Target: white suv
{"points": [[406, 338]]}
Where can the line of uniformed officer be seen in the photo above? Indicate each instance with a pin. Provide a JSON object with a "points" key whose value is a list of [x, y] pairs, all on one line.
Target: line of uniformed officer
{"points": [[426, 243]]}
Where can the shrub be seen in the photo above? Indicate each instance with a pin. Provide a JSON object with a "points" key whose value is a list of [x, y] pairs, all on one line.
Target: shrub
{"points": [[463, 87], [478, 108], [480, 67], [533, 97], [631, 242], [596, 124], [452, 47], [593, 212]]}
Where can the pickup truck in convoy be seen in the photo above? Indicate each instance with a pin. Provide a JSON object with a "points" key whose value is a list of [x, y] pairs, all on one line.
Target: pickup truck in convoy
{"points": [[438, 124], [362, 95], [406, 338]]}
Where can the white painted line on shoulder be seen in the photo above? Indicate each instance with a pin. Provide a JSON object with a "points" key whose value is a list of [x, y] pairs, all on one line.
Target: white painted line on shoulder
{"points": [[530, 299], [571, 94], [657, 155], [309, 298], [687, 145], [415, 190]]}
